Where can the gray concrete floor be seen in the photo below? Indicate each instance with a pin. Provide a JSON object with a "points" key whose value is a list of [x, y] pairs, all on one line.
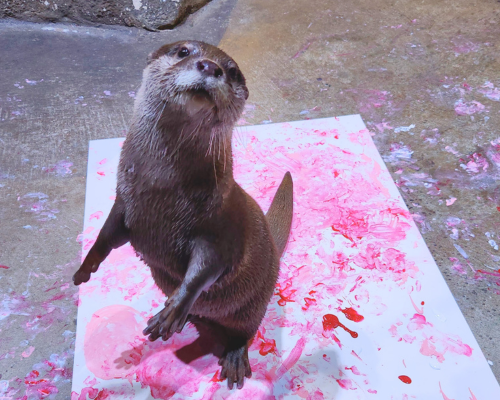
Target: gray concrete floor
{"points": [[434, 65]]}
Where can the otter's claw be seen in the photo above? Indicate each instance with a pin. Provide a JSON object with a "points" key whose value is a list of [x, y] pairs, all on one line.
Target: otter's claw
{"points": [[168, 321]]}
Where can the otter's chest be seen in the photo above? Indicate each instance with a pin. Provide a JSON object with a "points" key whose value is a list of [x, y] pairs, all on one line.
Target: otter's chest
{"points": [[163, 211]]}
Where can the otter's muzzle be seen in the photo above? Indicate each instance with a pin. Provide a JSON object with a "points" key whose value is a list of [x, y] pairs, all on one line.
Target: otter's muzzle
{"points": [[209, 68]]}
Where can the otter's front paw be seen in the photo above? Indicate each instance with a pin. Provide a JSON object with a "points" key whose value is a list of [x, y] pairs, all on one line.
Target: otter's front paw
{"points": [[89, 266], [168, 321], [235, 366]]}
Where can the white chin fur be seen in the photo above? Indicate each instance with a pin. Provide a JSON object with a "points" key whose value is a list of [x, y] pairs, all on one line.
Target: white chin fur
{"points": [[193, 78], [188, 78]]}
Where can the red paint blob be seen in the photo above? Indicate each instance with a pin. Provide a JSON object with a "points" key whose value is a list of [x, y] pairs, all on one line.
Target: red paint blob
{"points": [[309, 302], [331, 322], [422, 303], [4, 267], [352, 314], [404, 379]]}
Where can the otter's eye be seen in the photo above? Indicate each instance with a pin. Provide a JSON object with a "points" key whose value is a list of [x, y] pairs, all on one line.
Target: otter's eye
{"points": [[184, 52], [233, 73]]}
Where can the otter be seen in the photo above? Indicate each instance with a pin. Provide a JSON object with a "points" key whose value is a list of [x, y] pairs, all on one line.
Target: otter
{"points": [[210, 248]]}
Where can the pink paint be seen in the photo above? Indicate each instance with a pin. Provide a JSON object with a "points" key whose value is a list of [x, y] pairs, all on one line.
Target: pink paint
{"points": [[302, 50], [417, 322], [61, 168], [450, 201], [457, 266], [438, 347], [477, 163], [355, 355], [468, 108], [292, 358], [472, 394], [346, 384], [490, 91], [354, 370], [442, 393], [103, 161], [419, 310], [114, 333], [26, 353], [96, 215]]}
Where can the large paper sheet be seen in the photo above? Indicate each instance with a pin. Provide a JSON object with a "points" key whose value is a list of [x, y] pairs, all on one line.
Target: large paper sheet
{"points": [[360, 310]]}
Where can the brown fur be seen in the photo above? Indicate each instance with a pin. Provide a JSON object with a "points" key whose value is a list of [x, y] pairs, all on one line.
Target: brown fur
{"points": [[209, 246]]}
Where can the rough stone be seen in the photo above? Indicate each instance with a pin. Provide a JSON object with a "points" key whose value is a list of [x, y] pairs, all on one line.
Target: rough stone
{"points": [[148, 14]]}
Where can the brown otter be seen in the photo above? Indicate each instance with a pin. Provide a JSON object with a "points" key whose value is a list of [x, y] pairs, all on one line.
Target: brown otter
{"points": [[210, 248]]}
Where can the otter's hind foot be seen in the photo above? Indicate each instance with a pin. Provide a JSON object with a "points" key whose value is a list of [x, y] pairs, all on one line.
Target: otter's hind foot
{"points": [[235, 364]]}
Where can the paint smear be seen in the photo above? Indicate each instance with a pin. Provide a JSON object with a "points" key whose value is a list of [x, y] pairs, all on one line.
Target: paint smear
{"points": [[352, 314]]}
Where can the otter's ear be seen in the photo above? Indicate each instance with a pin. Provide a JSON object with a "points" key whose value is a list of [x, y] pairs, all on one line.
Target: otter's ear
{"points": [[151, 57]]}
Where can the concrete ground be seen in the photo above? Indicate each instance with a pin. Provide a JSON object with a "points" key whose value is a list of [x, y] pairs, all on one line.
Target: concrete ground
{"points": [[425, 77]]}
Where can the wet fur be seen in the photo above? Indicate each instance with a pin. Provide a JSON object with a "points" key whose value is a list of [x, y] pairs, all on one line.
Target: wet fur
{"points": [[209, 246]]}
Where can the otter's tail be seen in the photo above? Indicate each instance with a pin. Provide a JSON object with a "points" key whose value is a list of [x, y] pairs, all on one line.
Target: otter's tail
{"points": [[280, 213]]}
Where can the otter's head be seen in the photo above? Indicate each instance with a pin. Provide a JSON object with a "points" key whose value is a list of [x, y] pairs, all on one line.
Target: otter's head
{"points": [[195, 78]]}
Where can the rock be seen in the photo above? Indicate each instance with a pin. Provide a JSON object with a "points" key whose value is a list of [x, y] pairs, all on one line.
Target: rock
{"points": [[148, 14]]}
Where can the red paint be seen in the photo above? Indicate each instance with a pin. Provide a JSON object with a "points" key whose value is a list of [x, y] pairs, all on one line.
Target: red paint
{"points": [[422, 303], [285, 293], [488, 273], [352, 314], [100, 173], [216, 377], [4, 267], [266, 346], [498, 208], [331, 322], [404, 379], [309, 302]]}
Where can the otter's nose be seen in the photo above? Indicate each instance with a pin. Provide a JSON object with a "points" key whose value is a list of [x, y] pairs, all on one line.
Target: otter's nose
{"points": [[209, 68]]}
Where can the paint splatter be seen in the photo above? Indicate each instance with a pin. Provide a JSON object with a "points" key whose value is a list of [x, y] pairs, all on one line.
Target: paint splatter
{"points": [[405, 379], [330, 322], [352, 314], [468, 108]]}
